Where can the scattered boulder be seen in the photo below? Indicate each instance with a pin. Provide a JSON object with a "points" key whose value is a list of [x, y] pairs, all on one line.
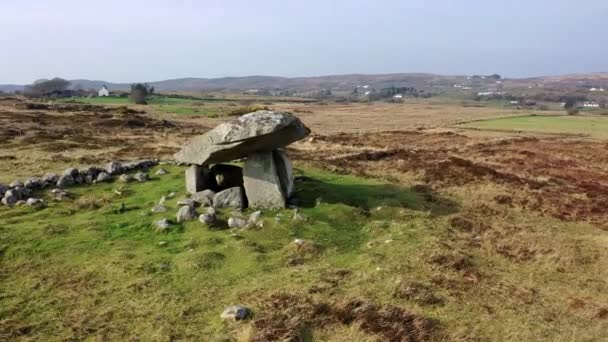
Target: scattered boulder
{"points": [[236, 313], [162, 200], [204, 198], [161, 172], [162, 225], [229, 198], [59, 194], [186, 201], [50, 178], [297, 216], [254, 218], [65, 181], [237, 222], [259, 131], [3, 189], [185, 213], [34, 202], [103, 177], [209, 218], [159, 208], [227, 176], [141, 177], [20, 203], [262, 182]]}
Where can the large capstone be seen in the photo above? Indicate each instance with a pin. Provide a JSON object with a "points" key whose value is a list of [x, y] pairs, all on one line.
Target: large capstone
{"points": [[262, 183], [261, 131]]}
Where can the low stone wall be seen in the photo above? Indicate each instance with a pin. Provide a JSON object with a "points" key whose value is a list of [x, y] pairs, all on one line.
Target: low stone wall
{"points": [[18, 192]]}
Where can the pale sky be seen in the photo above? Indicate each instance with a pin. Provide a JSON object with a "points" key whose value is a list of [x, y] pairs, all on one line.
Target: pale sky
{"points": [[133, 40]]}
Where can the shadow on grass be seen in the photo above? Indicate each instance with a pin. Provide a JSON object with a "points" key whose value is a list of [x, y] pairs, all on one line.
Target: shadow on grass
{"points": [[368, 195]]}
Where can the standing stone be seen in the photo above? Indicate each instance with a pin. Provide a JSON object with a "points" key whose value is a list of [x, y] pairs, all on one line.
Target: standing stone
{"points": [[198, 178], [229, 198], [262, 183], [284, 171]]}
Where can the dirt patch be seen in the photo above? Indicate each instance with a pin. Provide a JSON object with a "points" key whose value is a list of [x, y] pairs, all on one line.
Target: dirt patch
{"points": [[291, 317]]}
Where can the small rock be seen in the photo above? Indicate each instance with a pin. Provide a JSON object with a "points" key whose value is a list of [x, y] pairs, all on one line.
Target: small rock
{"points": [[185, 213], [159, 208], [297, 216], [141, 177], [255, 217], [20, 203], [50, 178], [16, 183], [171, 195], [162, 200], [78, 179], [318, 201], [72, 171], [9, 198], [65, 180], [162, 225], [161, 172], [204, 198], [59, 194], [207, 219], [88, 179], [186, 201], [237, 222], [113, 168], [236, 313], [34, 202], [103, 177], [125, 178], [162, 243], [211, 211], [33, 183]]}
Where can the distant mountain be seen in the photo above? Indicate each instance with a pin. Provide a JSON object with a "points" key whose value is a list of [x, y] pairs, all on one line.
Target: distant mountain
{"points": [[335, 82]]}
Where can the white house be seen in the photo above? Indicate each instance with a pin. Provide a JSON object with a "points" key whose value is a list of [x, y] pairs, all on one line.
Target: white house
{"points": [[103, 91], [591, 105], [398, 96]]}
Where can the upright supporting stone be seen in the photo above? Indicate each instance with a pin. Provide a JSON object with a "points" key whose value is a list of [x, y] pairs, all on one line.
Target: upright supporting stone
{"points": [[285, 172], [198, 178], [262, 183]]}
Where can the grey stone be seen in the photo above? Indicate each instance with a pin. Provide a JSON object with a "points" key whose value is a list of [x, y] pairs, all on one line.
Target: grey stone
{"points": [[204, 198], [211, 211], [255, 217], [186, 201], [227, 176], [250, 133], [237, 222], [262, 184], [236, 313], [159, 208], [162, 200], [34, 202], [9, 198], [50, 178], [33, 183], [88, 179], [198, 178], [79, 179], [113, 168], [103, 177], [59, 194], [185, 213], [207, 219], [65, 180], [15, 183], [284, 171], [72, 171], [125, 178], [20, 203], [141, 177], [229, 198], [3, 189], [161, 172], [297, 216], [21, 192], [162, 225]]}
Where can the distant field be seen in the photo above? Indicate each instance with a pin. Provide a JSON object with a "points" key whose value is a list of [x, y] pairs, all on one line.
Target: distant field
{"points": [[596, 127], [125, 100]]}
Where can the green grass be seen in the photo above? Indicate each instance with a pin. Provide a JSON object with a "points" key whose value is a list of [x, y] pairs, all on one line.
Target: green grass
{"points": [[593, 126], [83, 269]]}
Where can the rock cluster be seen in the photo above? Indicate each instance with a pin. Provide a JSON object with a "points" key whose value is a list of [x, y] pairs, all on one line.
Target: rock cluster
{"points": [[265, 181], [18, 192]]}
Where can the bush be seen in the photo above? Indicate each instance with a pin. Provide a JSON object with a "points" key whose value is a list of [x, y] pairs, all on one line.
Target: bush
{"points": [[572, 111]]}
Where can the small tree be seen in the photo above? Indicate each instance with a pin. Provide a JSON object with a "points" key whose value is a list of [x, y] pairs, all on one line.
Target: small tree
{"points": [[139, 93], [47, 87], [570, 106]]}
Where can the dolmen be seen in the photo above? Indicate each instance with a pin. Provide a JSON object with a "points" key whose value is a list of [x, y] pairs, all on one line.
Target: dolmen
{"points": [[265, 181]]}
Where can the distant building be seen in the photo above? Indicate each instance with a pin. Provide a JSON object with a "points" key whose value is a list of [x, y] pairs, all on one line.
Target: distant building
{"points": [[596, 89], [398, 96], [514, 102], [591, 105], [103, 91]]}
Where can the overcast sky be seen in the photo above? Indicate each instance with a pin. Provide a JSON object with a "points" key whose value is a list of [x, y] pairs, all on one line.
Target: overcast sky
{"points": [[127, 41]]}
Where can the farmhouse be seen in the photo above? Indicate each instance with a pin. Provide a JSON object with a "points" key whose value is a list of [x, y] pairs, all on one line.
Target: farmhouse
{"points": [[103, 91], [398, 96], [591, 105]]}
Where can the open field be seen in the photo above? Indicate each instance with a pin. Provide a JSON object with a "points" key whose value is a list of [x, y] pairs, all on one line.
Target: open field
{"points": [[418, 231], [591, 126]]}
